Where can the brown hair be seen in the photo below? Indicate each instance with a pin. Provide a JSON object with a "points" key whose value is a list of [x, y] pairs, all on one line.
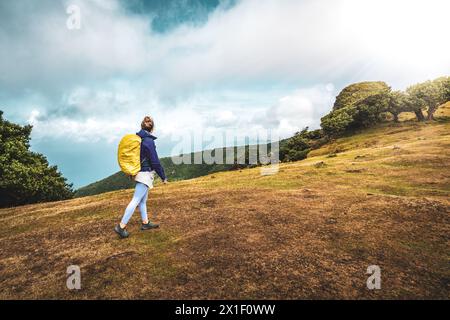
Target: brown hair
{"points": [[143, 125]]}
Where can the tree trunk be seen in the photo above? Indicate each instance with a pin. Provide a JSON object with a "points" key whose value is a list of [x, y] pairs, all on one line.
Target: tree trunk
{"points": [[11, 201], [395, 117], [419, 115], [430, 113]]}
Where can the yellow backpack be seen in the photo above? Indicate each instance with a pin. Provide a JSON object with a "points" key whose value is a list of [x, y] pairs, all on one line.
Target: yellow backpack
{"points": [[129, 154]]}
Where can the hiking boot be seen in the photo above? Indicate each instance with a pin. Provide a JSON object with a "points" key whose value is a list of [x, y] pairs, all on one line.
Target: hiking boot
{"points": [[121, 232], [149, 225]]}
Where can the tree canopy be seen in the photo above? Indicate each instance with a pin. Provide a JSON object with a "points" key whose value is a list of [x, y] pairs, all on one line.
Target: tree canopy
{"points": [[396, 103], [26, 176], [363, 104], [430, 94], [357, 92], [358, 105]]}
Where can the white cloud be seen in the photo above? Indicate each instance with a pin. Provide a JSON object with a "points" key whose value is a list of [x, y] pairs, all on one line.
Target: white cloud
{"points": [[301, 108], [261, 64], [33, 117], [288, 114], [270, 41], [91, 130], [286, 40]]}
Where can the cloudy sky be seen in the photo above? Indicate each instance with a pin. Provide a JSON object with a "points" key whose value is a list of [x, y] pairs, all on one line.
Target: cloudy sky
{"points": [[200, 66]]}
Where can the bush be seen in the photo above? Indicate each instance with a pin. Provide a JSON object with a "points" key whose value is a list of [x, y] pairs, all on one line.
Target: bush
{"points": [[297, 147]]}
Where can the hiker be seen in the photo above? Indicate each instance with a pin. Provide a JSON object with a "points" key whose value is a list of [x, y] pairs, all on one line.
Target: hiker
{"points": [[144, 179]]}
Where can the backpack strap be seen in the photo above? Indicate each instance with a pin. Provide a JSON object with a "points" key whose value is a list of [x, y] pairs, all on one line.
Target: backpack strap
{"points": [[144, 159]]}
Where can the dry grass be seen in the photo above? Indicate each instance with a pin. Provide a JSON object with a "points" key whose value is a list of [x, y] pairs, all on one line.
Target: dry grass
{"points": [[309, 231]]}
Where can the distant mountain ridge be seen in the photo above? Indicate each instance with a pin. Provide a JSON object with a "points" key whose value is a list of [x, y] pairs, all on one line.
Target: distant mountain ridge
{"points": [[174, 172]]}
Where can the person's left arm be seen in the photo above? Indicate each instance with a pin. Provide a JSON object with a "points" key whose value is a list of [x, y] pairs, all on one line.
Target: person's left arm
{"points": [[152, 156]]}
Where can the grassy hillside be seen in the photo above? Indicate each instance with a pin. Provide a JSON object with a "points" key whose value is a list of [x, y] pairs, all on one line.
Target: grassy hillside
{"points": [[117, 181], [379, 197]]}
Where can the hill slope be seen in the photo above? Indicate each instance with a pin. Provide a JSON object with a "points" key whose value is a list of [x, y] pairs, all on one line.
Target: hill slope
{"points": [[380, 197], [119, 181]]}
